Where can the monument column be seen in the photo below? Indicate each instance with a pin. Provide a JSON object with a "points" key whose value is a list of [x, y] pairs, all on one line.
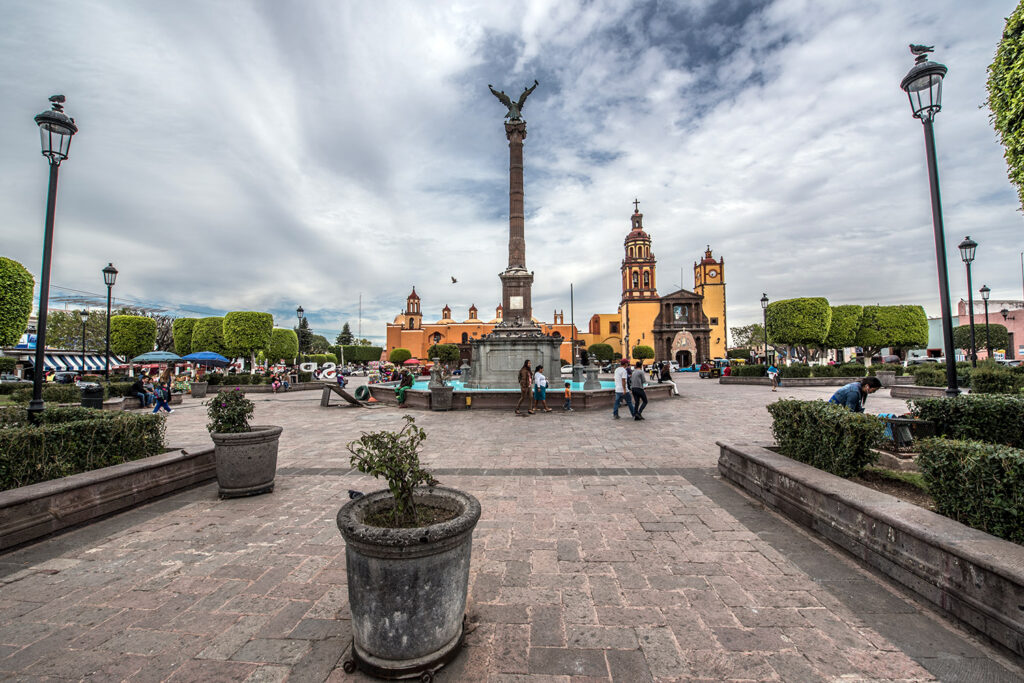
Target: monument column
{"points": [[516, 281]]}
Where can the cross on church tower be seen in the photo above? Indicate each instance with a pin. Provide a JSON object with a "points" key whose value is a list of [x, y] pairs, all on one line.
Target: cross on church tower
{"points": [[636, 205]]}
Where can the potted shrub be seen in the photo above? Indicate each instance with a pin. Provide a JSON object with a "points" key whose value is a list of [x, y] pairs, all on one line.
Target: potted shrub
{"points": [[246, 456], [407, 552]]}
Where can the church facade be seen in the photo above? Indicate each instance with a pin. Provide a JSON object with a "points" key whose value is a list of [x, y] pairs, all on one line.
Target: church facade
{"points": [[685, 326]]}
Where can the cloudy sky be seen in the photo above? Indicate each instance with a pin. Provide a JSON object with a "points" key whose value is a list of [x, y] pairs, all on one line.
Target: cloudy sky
{"points": [[263, 155]]}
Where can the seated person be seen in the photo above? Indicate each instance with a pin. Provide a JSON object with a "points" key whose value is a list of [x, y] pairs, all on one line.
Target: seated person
{"points": [[139, 391], [403, 386], [854, 394]]}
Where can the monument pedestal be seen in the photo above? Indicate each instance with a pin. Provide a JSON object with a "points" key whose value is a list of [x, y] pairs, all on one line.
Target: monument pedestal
{"points": [[498, 357]]}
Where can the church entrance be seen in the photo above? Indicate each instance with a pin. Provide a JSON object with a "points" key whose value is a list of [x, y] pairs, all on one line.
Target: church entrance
{"points": [[684, 358]]}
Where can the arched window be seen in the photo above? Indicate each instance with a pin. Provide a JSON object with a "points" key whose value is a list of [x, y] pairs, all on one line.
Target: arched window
{"points": [[630, 251], [412, 324], [647, 279], [636, 280], [465, 338], [437, 337], [556, 335]]}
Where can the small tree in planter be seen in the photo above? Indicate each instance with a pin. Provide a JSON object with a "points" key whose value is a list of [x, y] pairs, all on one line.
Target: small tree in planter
{"points": [[246, 455], [407, 553]]}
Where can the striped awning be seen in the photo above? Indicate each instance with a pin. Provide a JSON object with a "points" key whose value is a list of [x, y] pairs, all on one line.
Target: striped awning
{"points": [[73, 362]]}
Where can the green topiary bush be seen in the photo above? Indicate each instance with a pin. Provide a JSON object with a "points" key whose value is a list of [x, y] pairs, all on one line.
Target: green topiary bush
{"points": [[16, 286], [52, 393], [213, 378], [978, 484], [825, 371], [931, 375], [885, 367], [993, 379], [72, 440], [825, 435], [850, 370], [397, 356], [795, 370], [977, 417], [208, 335], [132, 335], [181, 330], [8, 364], [749, 370]]}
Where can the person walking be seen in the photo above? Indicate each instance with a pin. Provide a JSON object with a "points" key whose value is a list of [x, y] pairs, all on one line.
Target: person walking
{"points": [[854, 394], [525, 380], [666, 378], [162, 392], [773, 376], [540, 389], [637, 382], [622, 392], [567, 406]]}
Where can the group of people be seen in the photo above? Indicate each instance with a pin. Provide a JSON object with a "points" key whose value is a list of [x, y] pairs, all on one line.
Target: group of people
{"points": [[153, 390], [538, 397]]}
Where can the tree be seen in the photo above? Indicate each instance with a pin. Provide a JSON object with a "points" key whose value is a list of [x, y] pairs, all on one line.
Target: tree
{"points": [[748, 336], [803, 322], [999, 338], [182, 334], [248, 331], [1006, 96], [363, 342], [345, 336], [448, 353], [208, 335], [642, 352], [305, 336], [897, 327], [132, 335], [602, 352], [283, 344], [319, 344], [842, 332], [16, 286], [399, 356]]}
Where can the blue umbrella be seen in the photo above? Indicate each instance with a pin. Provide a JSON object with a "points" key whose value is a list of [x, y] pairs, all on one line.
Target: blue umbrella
{"points": [[208, 358], [156, 357]]}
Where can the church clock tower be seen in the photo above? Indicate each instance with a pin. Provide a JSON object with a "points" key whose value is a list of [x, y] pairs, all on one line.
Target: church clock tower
{"points": [[640, 304], [709, 282]]}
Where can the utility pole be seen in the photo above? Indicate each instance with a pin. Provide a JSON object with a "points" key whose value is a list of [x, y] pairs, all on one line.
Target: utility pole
{"points": [[360, 315]]}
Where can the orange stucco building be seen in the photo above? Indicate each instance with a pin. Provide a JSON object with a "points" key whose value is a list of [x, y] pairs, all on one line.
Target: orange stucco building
{"points": [[409, 331]]}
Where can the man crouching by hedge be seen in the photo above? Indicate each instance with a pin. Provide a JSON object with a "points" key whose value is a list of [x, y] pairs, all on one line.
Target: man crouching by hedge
{"points": [[854, 394]]}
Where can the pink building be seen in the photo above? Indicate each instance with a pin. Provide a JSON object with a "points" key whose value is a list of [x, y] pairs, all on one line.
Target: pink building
{"points": [[1014, 323]]}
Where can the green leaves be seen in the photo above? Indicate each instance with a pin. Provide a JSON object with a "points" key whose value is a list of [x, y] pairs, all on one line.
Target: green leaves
{"points": [[132, 335], [842, 331], [978, 484], [998, 337], [894, 326], [393, 456], [642, 351], [448, 353], [825, 435], [284, 343], [182, 328], [991, 418], [16, 287], [398, 356], [247, 331], [1006, 96], [229, 412], [208, 335], [602, 352], [799, 322]]}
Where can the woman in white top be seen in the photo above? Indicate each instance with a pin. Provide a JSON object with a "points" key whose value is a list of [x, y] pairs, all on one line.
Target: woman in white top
{"points": [[540, 389]]}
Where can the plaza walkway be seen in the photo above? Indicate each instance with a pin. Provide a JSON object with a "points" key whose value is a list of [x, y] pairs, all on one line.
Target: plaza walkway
{"points": [[607, 550]]}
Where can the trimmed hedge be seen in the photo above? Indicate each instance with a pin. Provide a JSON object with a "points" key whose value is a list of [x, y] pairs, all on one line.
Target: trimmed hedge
{"points": [[825, 371], [987, 417], [181, 331], [795, 370], [738, 354], [208, 335], [363, 354], [850, 370], [132, 335], [248, 331], [16, 287], [978, 484], [397, 356], [213, 378], [886, 367], [825, 435], [799, 322], [8, 364], [748, 370], [284, 343], [52, 393], [72, 440], [993, 379]]}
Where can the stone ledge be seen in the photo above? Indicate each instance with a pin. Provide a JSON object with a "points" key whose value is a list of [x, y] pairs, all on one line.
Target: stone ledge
{"points": [[31, 512], [975, 577], [791, 381], [914, 391], [265, 388]]}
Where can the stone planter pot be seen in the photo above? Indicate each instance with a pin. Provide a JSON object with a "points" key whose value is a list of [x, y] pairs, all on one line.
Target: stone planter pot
{"points": [[246, 462], [407, 587], [886, 377], [199, 389]]}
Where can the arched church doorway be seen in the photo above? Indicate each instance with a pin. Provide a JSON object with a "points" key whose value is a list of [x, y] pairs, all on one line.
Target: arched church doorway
{"points": [[684, 358]]}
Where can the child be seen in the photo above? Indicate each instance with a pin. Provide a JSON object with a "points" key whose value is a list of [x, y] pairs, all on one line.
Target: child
{"points": [[568, 398]]}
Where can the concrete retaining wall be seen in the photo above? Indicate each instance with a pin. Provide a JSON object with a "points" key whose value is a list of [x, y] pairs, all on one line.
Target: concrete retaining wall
{"points": [[31, 512], [967, 573], [917, 392], [791, 381], [601, 399], [265, 388]]}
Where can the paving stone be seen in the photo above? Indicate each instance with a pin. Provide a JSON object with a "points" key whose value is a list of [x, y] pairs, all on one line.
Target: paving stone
{"points": [[628, 666], [273, 650], [567, 662]]}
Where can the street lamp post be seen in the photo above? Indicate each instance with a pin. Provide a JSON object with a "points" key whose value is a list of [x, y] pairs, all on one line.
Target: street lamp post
{"points": [[109, 278], [985, 293], [967, 249], [764, 311], [55, 132], [84, 315], [923, 85], [300, 314]]}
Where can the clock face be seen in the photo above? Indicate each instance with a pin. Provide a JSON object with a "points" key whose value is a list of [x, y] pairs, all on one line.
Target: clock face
{"points": [[712, 273]]}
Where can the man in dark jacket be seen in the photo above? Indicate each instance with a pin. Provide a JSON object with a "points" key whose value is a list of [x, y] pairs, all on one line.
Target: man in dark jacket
{"points": [[139, 391]]}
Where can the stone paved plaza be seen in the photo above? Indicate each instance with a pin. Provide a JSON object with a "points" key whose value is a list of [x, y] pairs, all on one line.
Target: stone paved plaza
{"points": [[607, 550]]}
